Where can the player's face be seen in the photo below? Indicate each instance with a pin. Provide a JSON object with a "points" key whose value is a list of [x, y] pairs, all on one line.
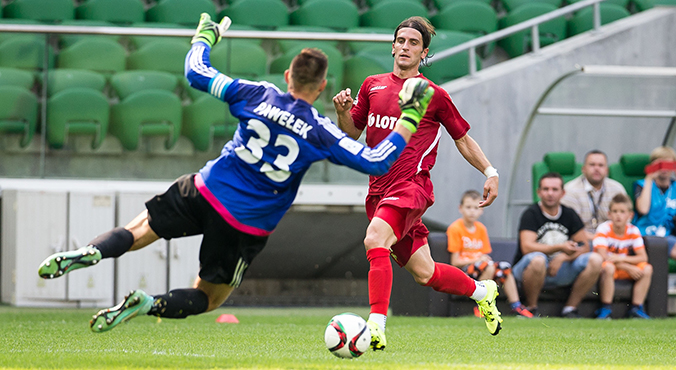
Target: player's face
{"points": [[408, 49], [469, 209], [551, 192], [619, 214], [595, 169]]}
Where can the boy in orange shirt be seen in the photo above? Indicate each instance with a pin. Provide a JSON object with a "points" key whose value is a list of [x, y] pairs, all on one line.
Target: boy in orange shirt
{"points": [[469, 246], [614, 240]]}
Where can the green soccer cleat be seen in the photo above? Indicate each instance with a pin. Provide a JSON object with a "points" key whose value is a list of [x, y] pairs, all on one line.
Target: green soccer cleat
{"points": [[489, 309], [137, 302], [59, 264], [378, 340]]}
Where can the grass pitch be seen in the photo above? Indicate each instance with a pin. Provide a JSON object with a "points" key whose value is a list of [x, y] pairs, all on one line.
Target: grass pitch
{"points": [[292, 338]]}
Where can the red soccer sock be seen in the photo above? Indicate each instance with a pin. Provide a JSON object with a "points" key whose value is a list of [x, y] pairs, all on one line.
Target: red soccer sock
{"points": [[380, 279], [450, 279]]}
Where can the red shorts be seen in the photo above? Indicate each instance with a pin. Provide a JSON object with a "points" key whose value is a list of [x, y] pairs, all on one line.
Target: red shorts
{"points": [[402, 207]]}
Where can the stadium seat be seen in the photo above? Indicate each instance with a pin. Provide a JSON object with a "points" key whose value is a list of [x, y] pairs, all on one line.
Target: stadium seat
{"points": [[513, 4], [388, 14], [128, 82], [358, 68], [18, 112], [286, 44], [100, 55], [630, 168], [338, 14], [188, 91], [25, 52], [249, 12], [77, 111], [115, 11], [562, 163], [642, 5], [16, 77], [335, 71], [66, 40], [62, 79], [4, 36], [372, 3], [583, 20], [165, 55], [357, 46], [622, 3], [440, 4], [206, 119], [137, 42], [471, 17], [40, 10], [454, 66], [247, 60], [184, 12], [147, 113], [520, 42]]}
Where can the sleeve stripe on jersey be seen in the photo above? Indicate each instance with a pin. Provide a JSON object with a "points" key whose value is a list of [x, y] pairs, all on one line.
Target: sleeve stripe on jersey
{"points": [[218, 84], [385, 149], [328, 125], [429, 149], [197, 63]]}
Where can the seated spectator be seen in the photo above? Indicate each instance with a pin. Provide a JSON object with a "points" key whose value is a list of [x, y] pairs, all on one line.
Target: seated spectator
{"points": [[656, 197], [469, 246], [553, 249], [590, 193], [624, 257]]}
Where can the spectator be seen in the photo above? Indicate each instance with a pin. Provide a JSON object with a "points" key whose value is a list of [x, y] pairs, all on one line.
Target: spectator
{"points": [[621, 245], [469, 246], [589, 194], [553, 249], [656, 197]]}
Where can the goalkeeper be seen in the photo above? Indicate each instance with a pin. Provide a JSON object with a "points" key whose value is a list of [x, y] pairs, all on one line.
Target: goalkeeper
{"points": [[398, 199], [237, 199]]}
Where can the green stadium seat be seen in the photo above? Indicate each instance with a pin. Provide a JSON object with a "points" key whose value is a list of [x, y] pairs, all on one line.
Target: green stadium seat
{"points": [[4, 36], [190, 92], [630, 168], [372, 3], [246, 60], [41, 10], [66, 40], [62, 79], [164, 55], [338, 14], [18, 112], [440, 4], [357, 46], [642, 5], [454, 66], [360, 66], [25, 52], [137, 42], [184, 12], [128, 82], [77, 111], [100, 55], [513, 4], [206, 119], [521, 42], [115, 11], [622, 3], [16, 77], [335, 71], [562, 163], [583, 20], [471, 17], [285, 45], [250, 13], [388, 14], [147, 113]]}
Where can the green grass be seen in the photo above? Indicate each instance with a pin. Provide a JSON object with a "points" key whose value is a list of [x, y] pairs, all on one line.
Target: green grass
{"points": [[293, 339]]}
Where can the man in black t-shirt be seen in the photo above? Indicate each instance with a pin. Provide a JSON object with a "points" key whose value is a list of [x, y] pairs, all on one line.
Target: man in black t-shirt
{"points": [[553, 249]]}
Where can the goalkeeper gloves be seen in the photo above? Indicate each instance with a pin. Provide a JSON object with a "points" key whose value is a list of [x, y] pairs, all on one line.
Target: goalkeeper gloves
{"points": [[414, 98], [209, 31]]}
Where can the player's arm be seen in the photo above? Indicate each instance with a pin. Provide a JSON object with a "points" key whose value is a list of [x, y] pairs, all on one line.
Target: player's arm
{"points": [[198, 70], [472, 152]]}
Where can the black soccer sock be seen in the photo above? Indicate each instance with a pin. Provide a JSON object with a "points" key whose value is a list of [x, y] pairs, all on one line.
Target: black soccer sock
{"points": [[113, 243], [180, 303]]}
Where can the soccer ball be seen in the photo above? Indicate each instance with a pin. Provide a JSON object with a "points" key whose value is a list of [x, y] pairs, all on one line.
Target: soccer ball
{"points": [[347, 335]]}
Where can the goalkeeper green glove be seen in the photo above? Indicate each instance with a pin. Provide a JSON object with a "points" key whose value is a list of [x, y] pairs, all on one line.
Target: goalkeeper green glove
{"points": [[209, 31], [414, 98]]}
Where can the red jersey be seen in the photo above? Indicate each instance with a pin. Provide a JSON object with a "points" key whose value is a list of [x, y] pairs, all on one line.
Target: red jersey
{"points": [[376, 109]]}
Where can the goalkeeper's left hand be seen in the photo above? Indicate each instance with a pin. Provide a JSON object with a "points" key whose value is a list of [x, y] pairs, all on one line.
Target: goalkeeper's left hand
{"points": [[414, 98], [209, 31]]}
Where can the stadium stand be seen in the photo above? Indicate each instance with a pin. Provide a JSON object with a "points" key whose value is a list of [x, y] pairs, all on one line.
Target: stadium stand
{"points": [[205, 119], [440, 4], [248, 12], [128, 82], [95, 54], [77, 111], [250, 60], [513, 4], [64, 78], [583, 20], [471, 17], [16, 77], [115, 11], [357, 46], [389, 13], [317, 13], [164, 55], [137, 42], [40, 10], [183, 12], [25, 52], [629, 169], [520, 42], [18, 112], [360, 66], [285, 45], [562, 163], [622, 3], [452, 67], [4, 36], [642, 5]]}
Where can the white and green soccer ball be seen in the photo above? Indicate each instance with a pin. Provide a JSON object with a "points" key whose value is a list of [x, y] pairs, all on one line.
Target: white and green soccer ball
{"points": [[347, 336]]}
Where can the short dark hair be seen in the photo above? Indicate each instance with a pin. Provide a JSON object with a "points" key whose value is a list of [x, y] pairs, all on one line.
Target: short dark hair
{"points": [[472, 194], [594, 151], [621, 199], [309, 68], [421, 25], [550, 175]]}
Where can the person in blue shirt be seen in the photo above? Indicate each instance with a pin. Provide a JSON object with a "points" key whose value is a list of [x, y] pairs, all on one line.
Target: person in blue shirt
{"points": [[237, 199]]}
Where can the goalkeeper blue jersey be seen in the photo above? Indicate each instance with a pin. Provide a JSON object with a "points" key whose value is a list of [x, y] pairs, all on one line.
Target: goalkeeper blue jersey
{"points": [[256, 177]]}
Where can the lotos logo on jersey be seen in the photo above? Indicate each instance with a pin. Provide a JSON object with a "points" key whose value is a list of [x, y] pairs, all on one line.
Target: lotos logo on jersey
{"points": [[386, 122]]}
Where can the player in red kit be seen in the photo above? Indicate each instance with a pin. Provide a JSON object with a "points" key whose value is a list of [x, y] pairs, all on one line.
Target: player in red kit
{"points": [[397, 200]]}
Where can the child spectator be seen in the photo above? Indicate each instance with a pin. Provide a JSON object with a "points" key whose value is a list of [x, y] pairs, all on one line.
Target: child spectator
{"points": [[621, 245], [469, 246]]}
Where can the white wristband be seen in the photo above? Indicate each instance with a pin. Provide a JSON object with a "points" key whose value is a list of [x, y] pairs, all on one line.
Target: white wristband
{"points": [[491, 172]]}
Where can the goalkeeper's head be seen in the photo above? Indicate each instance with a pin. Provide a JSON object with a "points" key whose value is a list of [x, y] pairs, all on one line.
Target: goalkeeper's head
{"points": [[307, 73]]}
